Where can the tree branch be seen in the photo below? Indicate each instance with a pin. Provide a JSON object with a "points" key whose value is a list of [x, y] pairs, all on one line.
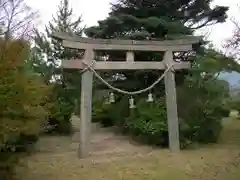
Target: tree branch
{"points": [[16, 18]]}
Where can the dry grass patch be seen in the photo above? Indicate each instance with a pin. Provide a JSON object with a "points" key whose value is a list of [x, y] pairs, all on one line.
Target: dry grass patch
{"points": [[220, 162]]}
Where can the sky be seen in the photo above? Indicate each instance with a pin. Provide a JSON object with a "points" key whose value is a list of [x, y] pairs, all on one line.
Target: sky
{"points": [[94, 10]]}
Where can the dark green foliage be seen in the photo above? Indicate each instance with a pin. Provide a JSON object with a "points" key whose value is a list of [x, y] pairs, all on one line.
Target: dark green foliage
{"points": [[148, 122], [7, 161], [155, 19], [101, 114], [120, 112], [201, 108], [202, 98], [110, 114], [61, 111]]}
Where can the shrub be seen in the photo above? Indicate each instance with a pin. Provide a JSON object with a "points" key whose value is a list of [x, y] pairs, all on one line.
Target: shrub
{"points": [[22, 100], [101, 112], [201, 106], [148, 122], [111, 114], [61, 108], [120, 111], [7, 162]]}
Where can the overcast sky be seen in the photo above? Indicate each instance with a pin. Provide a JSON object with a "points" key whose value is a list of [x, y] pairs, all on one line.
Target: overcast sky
{"points": [[94, 10]]}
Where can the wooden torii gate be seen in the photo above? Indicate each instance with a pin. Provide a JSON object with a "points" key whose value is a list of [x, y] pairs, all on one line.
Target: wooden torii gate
{"points": [[91, 45]]}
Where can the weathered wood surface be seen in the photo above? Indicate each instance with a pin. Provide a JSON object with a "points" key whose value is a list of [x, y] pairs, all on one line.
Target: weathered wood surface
{"points": [[73, 41], [124, 65], [86, 109], [187, 40], [128, 47], [171, 101], [130, 56]]}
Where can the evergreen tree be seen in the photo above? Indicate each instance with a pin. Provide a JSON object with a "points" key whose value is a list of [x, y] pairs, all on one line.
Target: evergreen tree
{"points": [[154, 19], [47, 55], [52, 50], [22, 104], [159, 19]]}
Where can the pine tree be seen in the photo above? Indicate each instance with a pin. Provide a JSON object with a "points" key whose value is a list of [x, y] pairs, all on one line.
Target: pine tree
{"points": [[158, 20], [47, 55], [52, 49]]}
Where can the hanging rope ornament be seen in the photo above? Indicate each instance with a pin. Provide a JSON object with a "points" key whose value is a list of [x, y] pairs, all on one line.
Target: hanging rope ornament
{"points": [[150, 97], [131, 103], [112, 98], [169, 67]]}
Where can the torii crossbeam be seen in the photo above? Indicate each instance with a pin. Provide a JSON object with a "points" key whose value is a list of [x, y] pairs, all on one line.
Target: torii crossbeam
{"points": [[91, 45]]}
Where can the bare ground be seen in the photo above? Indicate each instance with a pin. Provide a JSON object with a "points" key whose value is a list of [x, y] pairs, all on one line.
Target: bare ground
{"points": [[116, 157]]}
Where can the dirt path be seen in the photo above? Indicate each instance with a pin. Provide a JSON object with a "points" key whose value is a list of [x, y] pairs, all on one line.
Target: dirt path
{"points": [[104, 145]]}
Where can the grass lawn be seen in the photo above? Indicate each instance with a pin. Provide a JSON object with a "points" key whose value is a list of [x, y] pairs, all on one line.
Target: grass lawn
{"points": [[219, 161]]}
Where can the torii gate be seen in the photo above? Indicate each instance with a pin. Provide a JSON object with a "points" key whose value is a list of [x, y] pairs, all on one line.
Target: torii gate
{"points": [[91, 45]]}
